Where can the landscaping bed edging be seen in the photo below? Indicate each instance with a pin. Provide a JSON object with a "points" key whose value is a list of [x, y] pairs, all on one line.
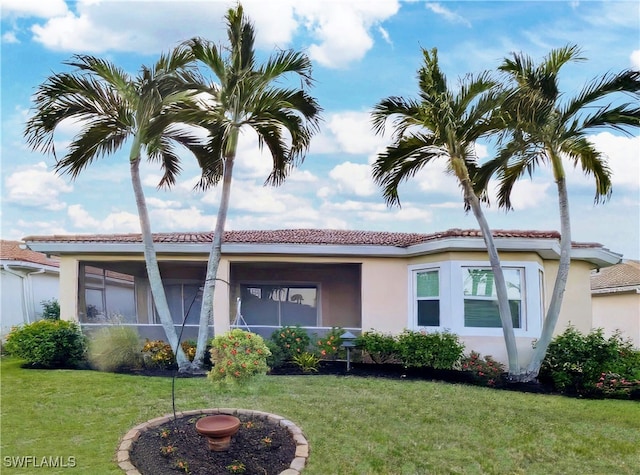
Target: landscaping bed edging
{"points": [[297, 464]]}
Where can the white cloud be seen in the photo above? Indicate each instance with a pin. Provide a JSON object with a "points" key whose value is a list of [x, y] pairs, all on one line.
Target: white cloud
{"points": [[343, 29], [182, 219], [35, 186], [10, 37], [623, 155], [81, 219], [351, 132], [37, 8], [634, 58], [162, 204], [447, 14], [353, 178]]}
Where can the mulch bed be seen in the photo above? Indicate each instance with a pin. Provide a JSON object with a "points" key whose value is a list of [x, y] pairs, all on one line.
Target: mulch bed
{"points": [[261, 445]]}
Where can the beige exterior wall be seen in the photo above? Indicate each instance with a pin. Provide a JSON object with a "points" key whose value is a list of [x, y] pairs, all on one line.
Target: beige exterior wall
{"points": [[576, 304], [69, 288], [386, 291], [385, 295], [618, 311]]}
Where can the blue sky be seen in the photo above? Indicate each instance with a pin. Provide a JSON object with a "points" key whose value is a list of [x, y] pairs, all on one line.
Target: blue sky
{"points": [[362, 52]]}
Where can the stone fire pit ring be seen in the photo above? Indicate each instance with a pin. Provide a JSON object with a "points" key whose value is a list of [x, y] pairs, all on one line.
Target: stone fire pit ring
{"points": [[298, 463]]}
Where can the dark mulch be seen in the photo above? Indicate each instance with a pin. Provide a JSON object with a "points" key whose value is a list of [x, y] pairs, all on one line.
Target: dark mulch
{"points": [[249, 447]]}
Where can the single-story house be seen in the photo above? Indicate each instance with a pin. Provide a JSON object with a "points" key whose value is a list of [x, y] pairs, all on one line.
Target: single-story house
{"points": [[27, 278], [319, 279], [615, 295]]}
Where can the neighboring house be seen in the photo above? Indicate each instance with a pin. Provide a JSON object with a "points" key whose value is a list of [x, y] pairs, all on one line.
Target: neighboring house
{"points": [[615, 294], [319, 279], [27, 278]]}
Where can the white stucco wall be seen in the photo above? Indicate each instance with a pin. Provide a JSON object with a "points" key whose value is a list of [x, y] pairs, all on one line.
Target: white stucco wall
{"points": [[21, 295]]}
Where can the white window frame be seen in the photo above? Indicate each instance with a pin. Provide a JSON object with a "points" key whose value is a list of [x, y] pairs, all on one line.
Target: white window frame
{"points": [[452, 297]]}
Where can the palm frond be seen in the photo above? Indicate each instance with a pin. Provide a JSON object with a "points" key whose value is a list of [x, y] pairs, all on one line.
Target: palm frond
{"points": [[401, 161], [592, 162]]}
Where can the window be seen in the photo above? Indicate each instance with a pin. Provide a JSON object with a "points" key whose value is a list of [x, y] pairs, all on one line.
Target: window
{"points": [[460, 296], [481, 301], [185, 302], [279, 304], [105, 295], [427, 296]]}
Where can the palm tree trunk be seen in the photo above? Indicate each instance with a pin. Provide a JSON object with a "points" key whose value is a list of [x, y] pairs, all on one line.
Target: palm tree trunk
{"points": [[560, 285], [499, 280], [153, 270], [206, 313]]}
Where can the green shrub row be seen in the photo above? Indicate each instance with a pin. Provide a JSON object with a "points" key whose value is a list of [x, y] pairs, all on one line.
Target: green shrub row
{"points": [[413, 349], [592, 365]]}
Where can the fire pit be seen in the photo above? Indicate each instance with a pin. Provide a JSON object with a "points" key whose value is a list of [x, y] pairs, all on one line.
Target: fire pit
{"points": [[218, 430]]}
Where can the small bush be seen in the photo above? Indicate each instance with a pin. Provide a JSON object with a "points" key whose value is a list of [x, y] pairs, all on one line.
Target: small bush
{"points": [[277, 357], [159, 354], [238, 356], [486, 371], [115, 348], [431, 350], [575, 363], [291, 340], [379, 347], [330, 346], [50, 309], [307, 362], [48, 343]]}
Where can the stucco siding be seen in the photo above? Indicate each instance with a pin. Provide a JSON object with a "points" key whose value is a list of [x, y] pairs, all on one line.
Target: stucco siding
{"points": [[384, 295], [576, 305], [618, 311]]}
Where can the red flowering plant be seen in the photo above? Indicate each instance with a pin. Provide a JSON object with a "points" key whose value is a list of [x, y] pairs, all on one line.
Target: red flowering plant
{"points": [[292, 340], [485, 371], [238, 356], [612, 385], [329, 347]]}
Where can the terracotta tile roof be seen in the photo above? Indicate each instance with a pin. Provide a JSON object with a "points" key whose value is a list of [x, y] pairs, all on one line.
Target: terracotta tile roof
{"points": [[302, 236], [625, 274], [11, 251]]}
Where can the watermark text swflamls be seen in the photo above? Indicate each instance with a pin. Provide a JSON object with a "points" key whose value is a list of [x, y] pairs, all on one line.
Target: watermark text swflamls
{"points": [[33, 461]]}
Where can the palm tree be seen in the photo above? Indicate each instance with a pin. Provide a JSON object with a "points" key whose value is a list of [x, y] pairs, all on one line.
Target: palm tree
{"points": [[247, 95], [444, 125], [113, 107], [544, 127]]}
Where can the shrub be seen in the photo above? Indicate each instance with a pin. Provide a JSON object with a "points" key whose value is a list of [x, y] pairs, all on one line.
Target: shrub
{"points": [[613, 385], [159, 354], [431, 350], [48, 343], [379, 347], [115, 348], [329, 346], [238, 356], [292, 340], [485, 371], [307, 362], [50, 309], [575, 362], [277, 357]]}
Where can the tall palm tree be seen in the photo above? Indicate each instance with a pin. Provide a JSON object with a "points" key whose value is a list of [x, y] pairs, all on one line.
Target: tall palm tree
{"points": [[544, 127], [444, 125], [247, 95], [113, 107]]}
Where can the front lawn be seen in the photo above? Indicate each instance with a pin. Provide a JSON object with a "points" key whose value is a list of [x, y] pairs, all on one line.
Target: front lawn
{"points": [[354, 425]]}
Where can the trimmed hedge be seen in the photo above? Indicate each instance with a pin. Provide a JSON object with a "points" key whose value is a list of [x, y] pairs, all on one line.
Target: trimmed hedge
{"points": [[48, 344]]}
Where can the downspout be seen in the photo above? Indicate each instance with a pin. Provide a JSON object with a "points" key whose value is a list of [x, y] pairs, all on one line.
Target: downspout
{"points": [[26, 291]]}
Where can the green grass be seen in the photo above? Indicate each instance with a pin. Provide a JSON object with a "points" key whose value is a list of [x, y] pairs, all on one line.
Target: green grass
{"points": [[354, 426]]}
